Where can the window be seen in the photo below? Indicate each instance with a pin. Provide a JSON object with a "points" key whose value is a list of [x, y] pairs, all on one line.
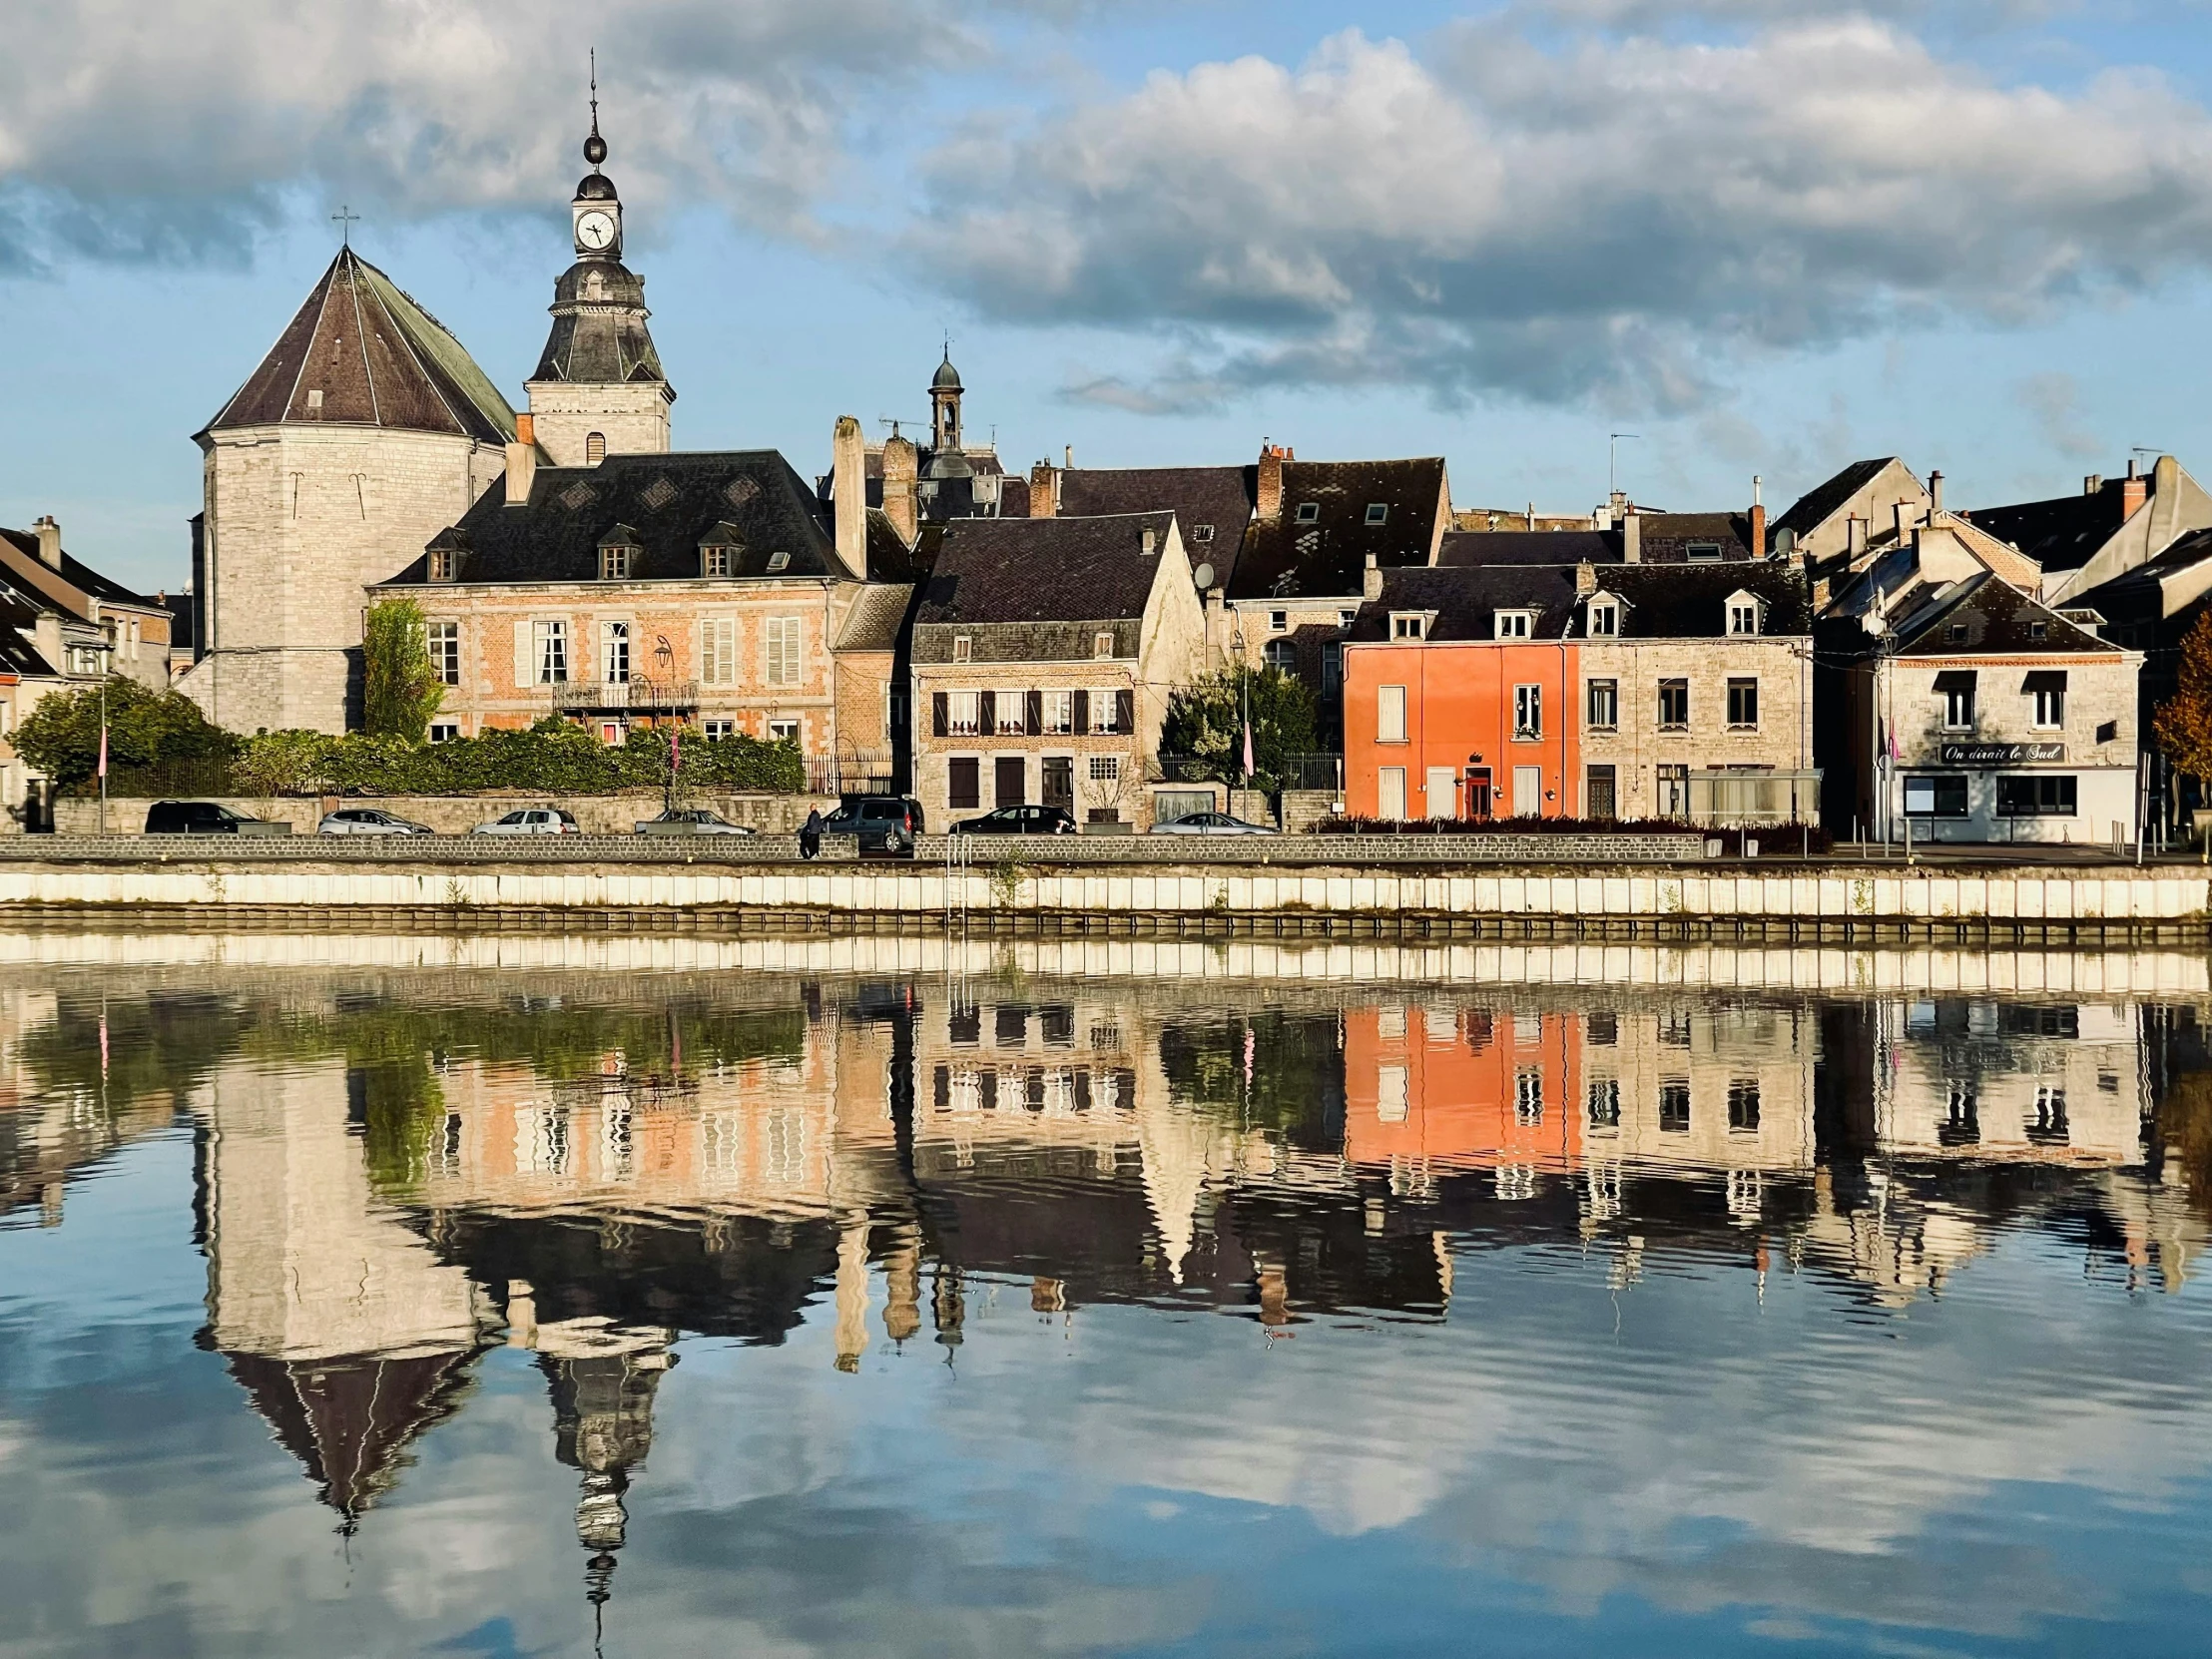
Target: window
{"points": [[1528, 1099], [718, 651], [1956, 686], [1674, 791], [1378, 512], [1390, 713], [717, 729], [1674, 704], [445, 652], [1105, 768], [1743, 704], [782, 646], [1529, 711], [614, 652], [1674, 1106], [1512, 625], [595, 448], [1113, 710], [1958, 633], [549, 649], [1282, 655], [964, 709], [1389, 1094], [442, 564], [1060, 718], [1605, 620], [965, 781], [1332, 668], [1278, 621], [1743, 616], [1345, 619], [2048, 1126], [1201, 533], [1703, 552], [1308, 512], [2046, 691], [964, 648], [445, 730], [614, 563], [778, 562], [1604, 704], [1013, 714], [1604, 1027], [1059, 782], [2039, 630], [1605, 1103], [716, 560], [1599, 795], [782, 730], [2036, 795], [1743, 1105], [1407, 627], [1102, 646], [1940, 796]]}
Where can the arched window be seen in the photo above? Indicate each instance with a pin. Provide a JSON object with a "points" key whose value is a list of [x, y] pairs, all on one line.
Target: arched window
{"points": [[595, 448]]}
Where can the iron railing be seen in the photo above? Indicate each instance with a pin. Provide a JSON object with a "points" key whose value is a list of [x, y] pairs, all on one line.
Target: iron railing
{"points": [[1287, 772], [867, 772], [625, 697]]}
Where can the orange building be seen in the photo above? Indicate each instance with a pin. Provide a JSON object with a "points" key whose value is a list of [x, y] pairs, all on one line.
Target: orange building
{"points": [[1438, 1083]]}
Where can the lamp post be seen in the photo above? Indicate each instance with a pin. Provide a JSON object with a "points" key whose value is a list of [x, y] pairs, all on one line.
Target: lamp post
{"points": [[106, 649]]}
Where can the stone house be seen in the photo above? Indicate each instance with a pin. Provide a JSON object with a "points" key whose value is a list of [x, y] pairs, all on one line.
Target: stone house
{"points": [[1044, 654]]}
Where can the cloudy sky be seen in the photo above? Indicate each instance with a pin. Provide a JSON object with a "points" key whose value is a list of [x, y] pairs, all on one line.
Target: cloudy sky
{"points": [[1765, 235]]}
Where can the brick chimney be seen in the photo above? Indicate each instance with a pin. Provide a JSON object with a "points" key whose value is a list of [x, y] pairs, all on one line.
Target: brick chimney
{"points": [[49, 541], [1044, 490], [1632, 537], [902, 475], [1758, 519], [2134, 491], [1268, 490], [848, 494], [522, 461], [1370, 581]]}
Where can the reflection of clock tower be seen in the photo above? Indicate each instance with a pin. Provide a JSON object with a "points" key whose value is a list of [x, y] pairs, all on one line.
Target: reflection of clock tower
{"points": [[599, 390]]}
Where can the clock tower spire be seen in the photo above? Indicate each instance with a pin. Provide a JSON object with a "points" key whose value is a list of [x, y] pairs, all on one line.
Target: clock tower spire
{"points": [[598, 388]]}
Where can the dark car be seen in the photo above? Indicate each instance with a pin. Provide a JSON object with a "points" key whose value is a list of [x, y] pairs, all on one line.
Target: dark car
{"points": [[206, 817], [1019, 821], [883, 823]]}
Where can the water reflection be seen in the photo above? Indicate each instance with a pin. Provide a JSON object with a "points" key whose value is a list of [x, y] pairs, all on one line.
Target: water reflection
{"points": [[400, 1174]]}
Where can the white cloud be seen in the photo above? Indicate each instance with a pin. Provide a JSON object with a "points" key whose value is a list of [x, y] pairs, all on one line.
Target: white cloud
{"points": [[1621, 217]]}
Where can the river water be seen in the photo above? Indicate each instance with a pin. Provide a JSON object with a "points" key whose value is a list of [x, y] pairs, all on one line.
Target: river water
{"points": [[527, 1296]]}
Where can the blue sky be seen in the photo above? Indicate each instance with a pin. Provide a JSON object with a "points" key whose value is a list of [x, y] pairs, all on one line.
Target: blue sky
{"points": [[1767, 236]]}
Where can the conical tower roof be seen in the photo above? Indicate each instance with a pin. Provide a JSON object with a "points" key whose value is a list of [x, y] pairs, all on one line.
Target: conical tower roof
{"points": [[360, 352], [353, 1421]]}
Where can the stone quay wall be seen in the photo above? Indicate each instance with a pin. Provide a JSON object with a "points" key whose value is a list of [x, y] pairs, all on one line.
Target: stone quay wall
{"points": [[456, 814]]}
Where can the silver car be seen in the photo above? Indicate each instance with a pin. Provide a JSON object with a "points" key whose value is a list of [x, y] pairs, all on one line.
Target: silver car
{"points": [[1209, 823], [367, 821], [531, 821], [692, 820]]}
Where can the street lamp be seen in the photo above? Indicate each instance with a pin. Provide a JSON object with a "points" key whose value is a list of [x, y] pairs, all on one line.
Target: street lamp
{"points": [[106, 648]]}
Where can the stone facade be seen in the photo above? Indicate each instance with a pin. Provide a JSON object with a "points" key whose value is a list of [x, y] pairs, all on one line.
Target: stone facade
{"points": [[1642, 745], [631, 420]]}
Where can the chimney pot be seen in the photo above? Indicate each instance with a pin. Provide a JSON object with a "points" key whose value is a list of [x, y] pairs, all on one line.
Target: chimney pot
{"points": [[1068, 457], [526, 428], [1756, 482], [2133, 466], [49, 541], [1935, 493]]}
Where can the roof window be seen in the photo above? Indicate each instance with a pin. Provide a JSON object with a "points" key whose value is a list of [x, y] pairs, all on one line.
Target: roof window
{"points": [[1409, 625], [1958, 633], [1202, 532], [778, 561], [1605, 619], [1378, 512], [614, 563], [2039, 630], [964, 648], [1703, 552], [442, 564], [1514, 625], [1308, 512]]}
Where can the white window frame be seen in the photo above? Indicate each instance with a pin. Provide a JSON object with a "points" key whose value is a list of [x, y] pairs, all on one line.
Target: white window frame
{"points": [[2047, 709], [717, 559], [1605, 619], [963, 714], [1279, 622], [1409, 625], [783, 651], [1528, 713], [1011, 709], [549, 650], [1610, 690], [1102, 646], [1059, 714], [1512, 625], [442, 638], [1736, 683], [614, 651], [1747, 614], [964, 648]]}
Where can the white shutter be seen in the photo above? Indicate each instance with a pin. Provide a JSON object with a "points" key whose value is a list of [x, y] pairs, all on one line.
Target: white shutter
{"points": [[701, 631], [526, 667]]}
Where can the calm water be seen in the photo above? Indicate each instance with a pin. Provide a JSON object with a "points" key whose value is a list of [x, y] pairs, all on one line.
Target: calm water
{"points": [[873, 1298]]}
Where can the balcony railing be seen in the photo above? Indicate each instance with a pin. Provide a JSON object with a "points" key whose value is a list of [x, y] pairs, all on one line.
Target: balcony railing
{"points": [[625, 697]]}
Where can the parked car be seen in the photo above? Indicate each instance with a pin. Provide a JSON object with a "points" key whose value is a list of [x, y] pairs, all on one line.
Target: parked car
{"points": [[1209, 823], [531, 821], [206, 817], [883, 823], [367, 821], [1019, 821], [692, 821]]}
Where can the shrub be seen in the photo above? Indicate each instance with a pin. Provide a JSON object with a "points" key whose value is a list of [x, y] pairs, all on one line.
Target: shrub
{"points": [[1205, 724], [148, 731]]}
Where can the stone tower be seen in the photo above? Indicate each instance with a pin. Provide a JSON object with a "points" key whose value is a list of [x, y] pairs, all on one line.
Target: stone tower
{"points": [[365, 430], [599, 390]]}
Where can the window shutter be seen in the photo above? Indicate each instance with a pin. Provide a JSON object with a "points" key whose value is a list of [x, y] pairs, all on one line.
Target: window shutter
{"points": [[940, 714], [1125, 711], [986, 713], [1082, 720], [1033, 713], [526, 671]]}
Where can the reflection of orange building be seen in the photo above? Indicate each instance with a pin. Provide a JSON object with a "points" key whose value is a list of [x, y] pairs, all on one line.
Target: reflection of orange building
{"points": [[1440, 1083]]}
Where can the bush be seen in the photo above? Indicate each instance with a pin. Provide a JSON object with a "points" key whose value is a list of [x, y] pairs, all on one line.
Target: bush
{"points": [[148, 732], [1774, 839], [1204, 724], [554, 757]]}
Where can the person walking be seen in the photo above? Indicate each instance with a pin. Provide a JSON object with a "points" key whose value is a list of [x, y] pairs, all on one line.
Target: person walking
{"points": [[809, 835]]}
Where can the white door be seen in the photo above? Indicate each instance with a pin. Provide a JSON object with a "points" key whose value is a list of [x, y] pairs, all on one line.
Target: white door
{"points": [[1443, 792], [1391, 795], [1528, 791]]}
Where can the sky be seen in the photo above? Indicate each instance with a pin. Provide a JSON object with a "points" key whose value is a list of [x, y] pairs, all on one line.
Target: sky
{"points": [[1765, 236]]}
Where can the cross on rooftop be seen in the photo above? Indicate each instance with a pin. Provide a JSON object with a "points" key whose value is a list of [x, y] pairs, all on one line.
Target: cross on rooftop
{"points": [[346, 218]]}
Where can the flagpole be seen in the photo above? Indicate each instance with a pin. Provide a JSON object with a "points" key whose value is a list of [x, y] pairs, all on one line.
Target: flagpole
{"points": [[106, 660]]}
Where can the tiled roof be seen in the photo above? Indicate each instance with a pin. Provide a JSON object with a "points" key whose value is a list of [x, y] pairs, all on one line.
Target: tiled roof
{"points": [[669, 504], [1324, 555], [1212, 504], [1663, 603], [1466, 548], [877, 617], [361, 352], [1811, 509], [1996, 618], [1044, 569], [2063, 533]]}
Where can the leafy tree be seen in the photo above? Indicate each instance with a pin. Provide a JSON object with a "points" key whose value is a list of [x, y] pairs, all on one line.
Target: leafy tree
{"points": [[146, 728], [2183, 722], [1205, 720], [400, 689]]}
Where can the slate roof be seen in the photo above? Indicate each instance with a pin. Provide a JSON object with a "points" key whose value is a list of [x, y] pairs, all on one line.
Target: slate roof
{"points": [[1665, 538], [1044, 569], [2063, 533], [1811, 509], [23, 570], [1325, 555], [1997, 617], [877, 618], [17, 654], [1466, 548], [378, 359], [1219, 497], [669, 504], [1665, 603], [598, 336]]}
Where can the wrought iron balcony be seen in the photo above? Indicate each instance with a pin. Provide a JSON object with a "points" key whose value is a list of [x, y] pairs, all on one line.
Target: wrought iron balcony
{"points": [[625, 697]]}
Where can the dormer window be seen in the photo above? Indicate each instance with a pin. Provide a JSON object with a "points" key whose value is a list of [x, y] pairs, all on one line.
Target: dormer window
{"points": [[717, 559], [1202, 532], [442, 564], [614, 563], [1745, 613], [1605, 619], [1279, 622], [1102, 646], [1703, 552], [778, 562], [1378, 512], [1514, 625], [1409, 625], [964, 648], [1308, 512]]}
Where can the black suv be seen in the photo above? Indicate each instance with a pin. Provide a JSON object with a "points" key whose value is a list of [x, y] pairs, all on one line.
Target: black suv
{"points": [[1019, 821], [883, 823], [206, 817]]}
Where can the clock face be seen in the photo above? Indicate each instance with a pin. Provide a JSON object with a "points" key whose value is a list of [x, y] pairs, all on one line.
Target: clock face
{"points": [[595, 230]]}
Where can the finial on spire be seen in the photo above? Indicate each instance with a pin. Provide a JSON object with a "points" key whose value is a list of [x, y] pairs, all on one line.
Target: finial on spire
{"points": [[595, 147], [345, 219]]}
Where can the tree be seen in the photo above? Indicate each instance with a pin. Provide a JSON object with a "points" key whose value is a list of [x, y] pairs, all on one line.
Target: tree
{"points": [[61, 737], [400, 689], [1205, 720]]}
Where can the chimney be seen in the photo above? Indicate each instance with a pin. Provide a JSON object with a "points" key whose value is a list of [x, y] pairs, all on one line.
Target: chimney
{"points": [[1370, 581], [848, 494], [2133, 493], [1044, 490], [1150, 542], [2092, 483], [1758, 519], [1067, 457], [2134, 467], [1632, 538], [1585, 578], [1854, 540], [1268, 489], [1533, 515], [1935, 493], [522, 461], [49, 541], [902, 469]]}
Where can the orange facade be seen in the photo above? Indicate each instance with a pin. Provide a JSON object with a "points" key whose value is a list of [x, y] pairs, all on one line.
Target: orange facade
{"points": [[1445, 729], [1443, 1084]]}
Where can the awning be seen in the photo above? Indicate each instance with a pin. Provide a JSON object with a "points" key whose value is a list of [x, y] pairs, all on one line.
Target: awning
{"points": [[2044, 680], [1955, 678]]}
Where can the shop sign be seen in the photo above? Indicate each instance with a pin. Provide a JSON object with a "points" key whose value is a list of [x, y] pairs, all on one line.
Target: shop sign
{"points": [[2003, 754]]}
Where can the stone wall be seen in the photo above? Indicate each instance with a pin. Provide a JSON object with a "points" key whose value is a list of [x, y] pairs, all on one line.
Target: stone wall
{"points": [[596, 814]]}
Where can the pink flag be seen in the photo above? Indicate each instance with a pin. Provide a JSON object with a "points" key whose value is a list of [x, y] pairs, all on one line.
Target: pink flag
{"points": [[103, 771], [1248, 748], [675, 749]]}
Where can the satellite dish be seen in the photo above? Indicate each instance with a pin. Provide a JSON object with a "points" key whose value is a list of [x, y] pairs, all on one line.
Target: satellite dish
{"points": [[1203, 576]]}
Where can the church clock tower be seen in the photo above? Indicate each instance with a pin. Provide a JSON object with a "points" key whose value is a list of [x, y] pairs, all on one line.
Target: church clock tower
{"points": [[599, 390]]}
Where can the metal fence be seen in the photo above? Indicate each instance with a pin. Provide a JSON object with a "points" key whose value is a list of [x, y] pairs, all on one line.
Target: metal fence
{"points": [[625, 696], [1289, 771], [868, 771]]}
